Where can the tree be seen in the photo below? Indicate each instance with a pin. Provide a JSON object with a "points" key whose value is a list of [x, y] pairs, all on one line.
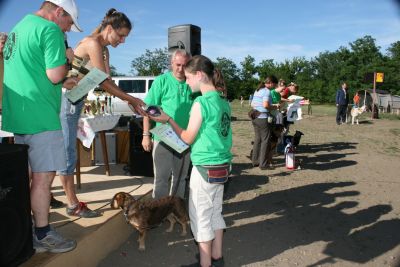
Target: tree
{"points": [[114, 72], [231, 76], [392, 74], [151, 63], [248, 76]]}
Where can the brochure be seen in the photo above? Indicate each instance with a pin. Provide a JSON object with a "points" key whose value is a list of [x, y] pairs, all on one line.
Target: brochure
{"points": [[168, 136], [89, 82]]}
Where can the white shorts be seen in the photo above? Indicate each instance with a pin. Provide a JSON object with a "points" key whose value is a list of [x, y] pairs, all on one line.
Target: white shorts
{"points": [[205, 207]]}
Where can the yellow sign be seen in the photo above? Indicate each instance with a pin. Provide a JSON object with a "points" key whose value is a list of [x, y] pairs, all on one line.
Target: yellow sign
{"points": [[379, 77]]}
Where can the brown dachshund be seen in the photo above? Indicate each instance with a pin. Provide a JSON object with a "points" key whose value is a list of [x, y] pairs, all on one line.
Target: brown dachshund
{"points": [[149, 214]]}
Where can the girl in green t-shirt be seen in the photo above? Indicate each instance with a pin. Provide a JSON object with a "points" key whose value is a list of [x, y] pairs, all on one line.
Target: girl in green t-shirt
{"points": [[210, 136]]}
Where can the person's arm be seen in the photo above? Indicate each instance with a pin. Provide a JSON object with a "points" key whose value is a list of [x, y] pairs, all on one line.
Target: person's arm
{"points": [[337, 97], [95, 53], [147, 142], [267, 102], [189, 135], [57, 74]]}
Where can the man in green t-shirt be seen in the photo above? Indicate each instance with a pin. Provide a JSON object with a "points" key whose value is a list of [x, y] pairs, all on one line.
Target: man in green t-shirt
{"points": [[173, 95], [34, 68]]}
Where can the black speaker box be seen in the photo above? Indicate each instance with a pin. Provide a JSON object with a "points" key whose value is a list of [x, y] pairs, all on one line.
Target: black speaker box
{"points": [[186, 37], [140, 161], [15, 208]]}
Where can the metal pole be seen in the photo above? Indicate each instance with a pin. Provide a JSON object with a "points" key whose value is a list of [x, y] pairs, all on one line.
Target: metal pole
{"points": [[374, 96]]}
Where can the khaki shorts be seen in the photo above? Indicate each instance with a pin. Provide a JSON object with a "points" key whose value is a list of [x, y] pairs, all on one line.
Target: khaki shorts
{"points": [[205, 207], [46, 151]]}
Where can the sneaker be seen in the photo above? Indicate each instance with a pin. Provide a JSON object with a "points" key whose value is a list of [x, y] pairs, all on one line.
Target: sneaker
{"points": [[54, 203], [218, 263], [81, 210], [53, 242]]}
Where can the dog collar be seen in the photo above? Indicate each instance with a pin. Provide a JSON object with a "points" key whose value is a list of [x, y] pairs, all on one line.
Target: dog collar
{"points": [[126, 216]]}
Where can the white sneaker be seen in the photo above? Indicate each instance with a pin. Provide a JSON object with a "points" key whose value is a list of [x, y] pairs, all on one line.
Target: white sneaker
{"points": [[53, 242]]}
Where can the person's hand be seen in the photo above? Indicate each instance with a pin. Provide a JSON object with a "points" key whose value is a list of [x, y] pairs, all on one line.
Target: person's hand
{"points": [[71, 82], [147, 143], [137, 106], [163, 117]]}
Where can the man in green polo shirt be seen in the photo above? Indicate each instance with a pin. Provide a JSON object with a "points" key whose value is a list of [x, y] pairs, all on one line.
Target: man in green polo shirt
{"points": [[173, 95], [34, 71]]}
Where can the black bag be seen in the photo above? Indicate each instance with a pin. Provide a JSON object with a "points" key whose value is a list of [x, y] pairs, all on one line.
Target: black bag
{"points": [[253, 114], [215, 174]]}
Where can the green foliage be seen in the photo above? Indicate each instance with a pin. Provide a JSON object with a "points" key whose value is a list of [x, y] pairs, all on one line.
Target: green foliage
{"points": [[318, 78], [113, 72], [152, 63], [231, 76]]}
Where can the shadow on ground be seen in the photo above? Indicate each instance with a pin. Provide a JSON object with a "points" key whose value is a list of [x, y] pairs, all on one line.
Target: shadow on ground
{"points": [[299, 216]]}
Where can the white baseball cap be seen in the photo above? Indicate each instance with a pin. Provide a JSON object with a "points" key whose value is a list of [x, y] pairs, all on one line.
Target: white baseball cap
{"points": [[70, 7]]}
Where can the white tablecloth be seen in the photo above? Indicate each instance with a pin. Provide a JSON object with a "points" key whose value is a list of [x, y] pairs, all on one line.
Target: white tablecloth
{"points": [[3, 133], [89, 125]]}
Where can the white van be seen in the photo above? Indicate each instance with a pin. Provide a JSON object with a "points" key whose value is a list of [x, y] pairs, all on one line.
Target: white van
{"points": [[136, 86]]}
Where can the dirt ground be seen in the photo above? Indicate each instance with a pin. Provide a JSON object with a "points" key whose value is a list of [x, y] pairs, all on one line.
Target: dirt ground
{"points": [[340, 209]]}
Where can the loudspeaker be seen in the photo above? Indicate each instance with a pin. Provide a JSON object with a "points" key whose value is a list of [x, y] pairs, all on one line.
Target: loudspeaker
{"points": [[15, 208], [140, 161], [186, 37]]}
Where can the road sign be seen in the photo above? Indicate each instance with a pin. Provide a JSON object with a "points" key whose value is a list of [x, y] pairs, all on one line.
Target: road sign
{"points": [[379, 77]]}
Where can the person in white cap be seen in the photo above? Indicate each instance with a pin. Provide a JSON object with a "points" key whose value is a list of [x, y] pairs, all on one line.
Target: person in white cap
{"points": [[35, 70]]}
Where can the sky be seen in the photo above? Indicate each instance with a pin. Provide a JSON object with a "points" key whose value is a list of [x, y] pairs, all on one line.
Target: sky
{"points": [[264, 29]]}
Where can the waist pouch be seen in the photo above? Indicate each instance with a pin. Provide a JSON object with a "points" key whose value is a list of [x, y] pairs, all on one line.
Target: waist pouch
{"points": [[215, 174]]}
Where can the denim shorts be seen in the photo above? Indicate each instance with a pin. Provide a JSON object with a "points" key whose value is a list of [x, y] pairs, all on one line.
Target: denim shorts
{"points": [[46, 150], [69, 116]]}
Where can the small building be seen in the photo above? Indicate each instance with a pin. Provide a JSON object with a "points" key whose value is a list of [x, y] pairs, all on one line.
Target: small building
{"points": [[385, 102]]}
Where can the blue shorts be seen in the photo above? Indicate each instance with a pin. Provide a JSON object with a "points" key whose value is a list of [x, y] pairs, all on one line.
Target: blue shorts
{"points": [[46, 150], [69, 116]]}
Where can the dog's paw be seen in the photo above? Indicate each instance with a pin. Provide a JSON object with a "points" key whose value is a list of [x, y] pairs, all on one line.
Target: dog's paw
{"points": [[142, 248]]}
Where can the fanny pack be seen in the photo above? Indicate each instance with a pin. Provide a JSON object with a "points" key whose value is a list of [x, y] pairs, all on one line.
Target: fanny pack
{"points": [[215, 174]]}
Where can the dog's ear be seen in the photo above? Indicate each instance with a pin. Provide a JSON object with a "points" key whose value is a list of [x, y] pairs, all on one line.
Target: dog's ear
{"points": [[114, 202]]}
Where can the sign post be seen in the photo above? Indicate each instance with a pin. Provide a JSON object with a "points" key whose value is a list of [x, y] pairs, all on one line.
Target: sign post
{"points": [[378, 78]]}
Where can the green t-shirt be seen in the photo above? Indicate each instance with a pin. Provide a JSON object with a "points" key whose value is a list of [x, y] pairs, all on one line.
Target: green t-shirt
{"points": [[31, 102], [174, 97], [276, 97], [213, 142]]}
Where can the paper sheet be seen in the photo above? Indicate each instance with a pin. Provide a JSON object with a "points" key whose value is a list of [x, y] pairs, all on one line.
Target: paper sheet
{"points": [[89, 82], [168, 136]]}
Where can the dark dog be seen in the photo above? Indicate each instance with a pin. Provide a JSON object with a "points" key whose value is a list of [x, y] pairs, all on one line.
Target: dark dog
{"points": [[296, 138], [149, 214], [276, 133]]}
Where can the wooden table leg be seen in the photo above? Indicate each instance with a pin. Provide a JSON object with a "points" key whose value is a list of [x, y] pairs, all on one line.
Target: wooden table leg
{"points": [[105, 152], [78, 164]]}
